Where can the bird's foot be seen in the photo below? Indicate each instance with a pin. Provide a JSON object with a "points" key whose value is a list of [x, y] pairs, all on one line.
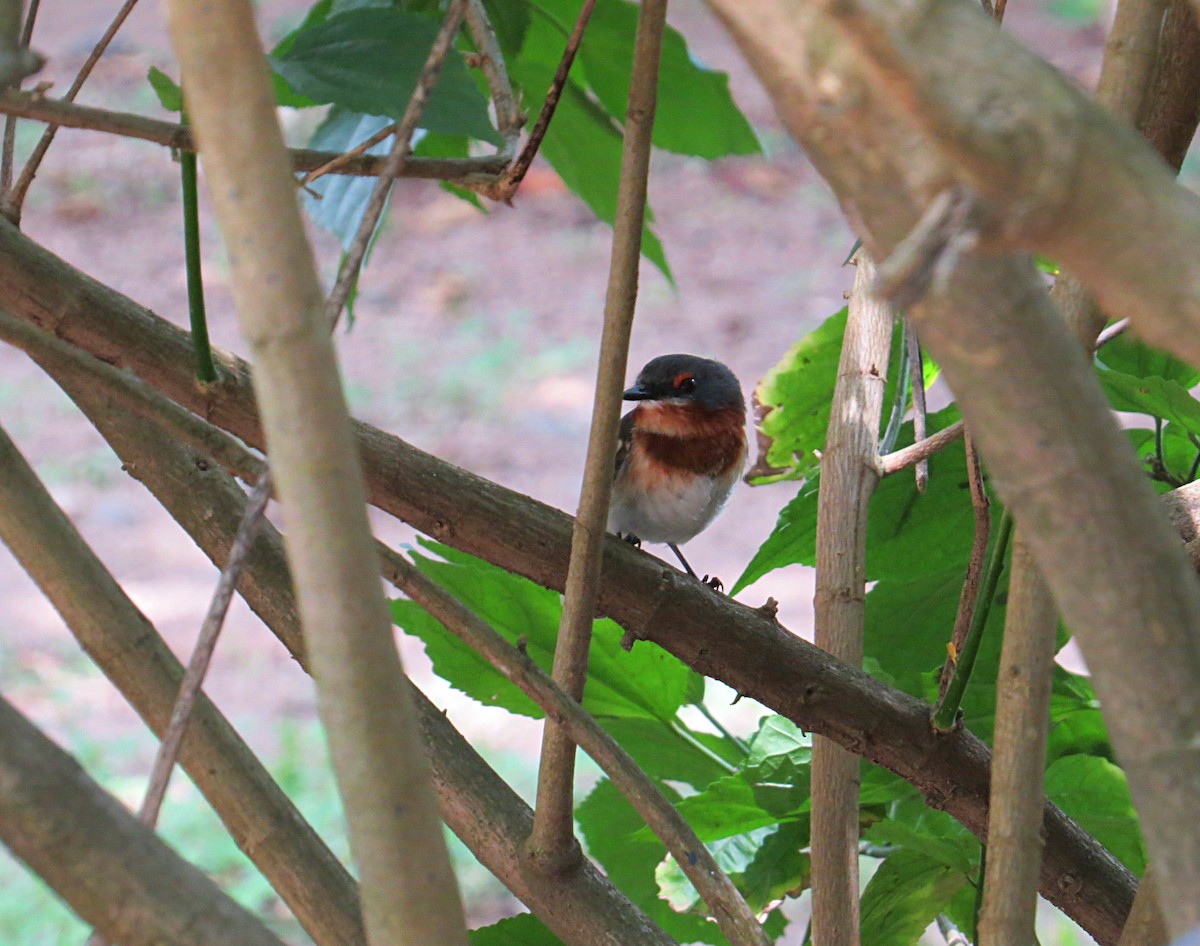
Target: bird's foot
{"points": [[631, 539], [715, 583]]}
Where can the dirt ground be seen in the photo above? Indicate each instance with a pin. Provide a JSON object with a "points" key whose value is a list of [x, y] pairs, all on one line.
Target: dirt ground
{"points": [[475, 339]]}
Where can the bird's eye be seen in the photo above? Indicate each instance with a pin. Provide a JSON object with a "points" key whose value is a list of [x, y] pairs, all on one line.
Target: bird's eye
{"points": [[686, 383]]}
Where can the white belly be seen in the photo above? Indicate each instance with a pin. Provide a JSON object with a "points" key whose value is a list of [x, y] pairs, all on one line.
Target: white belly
{"points": [[674, 511]]}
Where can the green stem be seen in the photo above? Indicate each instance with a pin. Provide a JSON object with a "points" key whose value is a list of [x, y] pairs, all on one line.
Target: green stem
{"points": [[946, 714], [682, 732], [716, 724], [206, 371], [900, 399]]}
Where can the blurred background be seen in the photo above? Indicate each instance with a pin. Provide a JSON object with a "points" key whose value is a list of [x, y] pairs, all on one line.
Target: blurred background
{"points": [[475, 338]]}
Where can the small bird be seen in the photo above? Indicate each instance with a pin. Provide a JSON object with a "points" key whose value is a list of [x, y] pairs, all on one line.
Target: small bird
{"points": [[681, 450]]}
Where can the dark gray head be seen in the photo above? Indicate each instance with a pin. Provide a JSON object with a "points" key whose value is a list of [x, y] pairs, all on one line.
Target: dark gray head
{"points": [[682, 379]]}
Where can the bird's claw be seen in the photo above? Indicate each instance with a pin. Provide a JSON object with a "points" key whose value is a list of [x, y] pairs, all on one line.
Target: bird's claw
{"points": [[632, 540], [715, 583]]}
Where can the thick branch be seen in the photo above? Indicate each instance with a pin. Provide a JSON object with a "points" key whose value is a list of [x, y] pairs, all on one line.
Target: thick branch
{"points": [[126, 124], [553, 840], [113, 871], [849, 474], [715, 636]]}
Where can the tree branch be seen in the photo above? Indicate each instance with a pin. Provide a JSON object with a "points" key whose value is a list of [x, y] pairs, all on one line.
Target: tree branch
{"points": [[1019, 757], [715, 636], [180, 137], [408, 889], [118, 875], [921, 450], [848, 477], [552, 844], [1145, 926]]}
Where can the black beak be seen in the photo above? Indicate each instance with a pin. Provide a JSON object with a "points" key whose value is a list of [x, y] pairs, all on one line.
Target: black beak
{"points": [[637, 393]]}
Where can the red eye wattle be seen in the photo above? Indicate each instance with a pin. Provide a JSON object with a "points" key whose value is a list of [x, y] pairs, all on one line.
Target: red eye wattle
{"points": [[685, 382]]}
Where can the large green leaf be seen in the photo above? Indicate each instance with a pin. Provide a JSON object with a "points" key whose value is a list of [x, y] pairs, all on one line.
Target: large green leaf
{"points": [[1094, 792], [369, 60], [1158, 397], [629, 856], [1133, 357], [525, 929], [342, 198], [695, 113], [584, 147], [909, 533], [670, 752], [904, 896], [645, 683]]}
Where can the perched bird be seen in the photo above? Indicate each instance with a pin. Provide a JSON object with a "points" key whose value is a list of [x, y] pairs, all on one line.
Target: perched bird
{"points": [[680, 452]]}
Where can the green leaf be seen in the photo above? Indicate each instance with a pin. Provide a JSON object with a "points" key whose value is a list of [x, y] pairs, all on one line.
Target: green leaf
{"points": [[284, 94], [646, 683], [733, 856], [780, 749], [584, 146], [909, 533], [611, 830], [510, 21], [1094, 792], [1076, 723], [1158, 397], [695, 113], [904, 896], [369, 60], [1133, 357], [343, 197], [664, 754], [525, 929], [170, 95], [797, 393]]}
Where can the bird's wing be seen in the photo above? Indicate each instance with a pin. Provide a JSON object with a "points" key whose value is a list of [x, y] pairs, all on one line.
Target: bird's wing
{"points": [[624, 441]]}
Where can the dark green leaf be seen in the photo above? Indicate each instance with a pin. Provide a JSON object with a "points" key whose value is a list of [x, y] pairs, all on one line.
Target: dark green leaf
{"points": [[584, 147], [510, 20], [1094, 792], [612, 831], [284, 94], [368, 60], [904, 896], [170, 96], [1158, 397], [647, 683], [1133, 357], [525, 929], [695, 114], [666, 755], [1076, 724], [733, 856]]}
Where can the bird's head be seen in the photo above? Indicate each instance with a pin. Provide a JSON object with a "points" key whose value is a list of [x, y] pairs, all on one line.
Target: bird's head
{"points": [[686, 381]]}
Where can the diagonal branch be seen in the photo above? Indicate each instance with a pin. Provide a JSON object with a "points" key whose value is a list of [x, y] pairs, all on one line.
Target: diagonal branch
{"points": [[552, 844], [119, 875]]}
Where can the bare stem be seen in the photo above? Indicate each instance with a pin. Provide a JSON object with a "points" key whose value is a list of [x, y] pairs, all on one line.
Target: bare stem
{"points": [[552, 843], [8, 151], [849, 474], [921, 450]]}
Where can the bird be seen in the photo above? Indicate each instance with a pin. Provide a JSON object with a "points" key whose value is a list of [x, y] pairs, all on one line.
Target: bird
{"points": [[679, 452]]}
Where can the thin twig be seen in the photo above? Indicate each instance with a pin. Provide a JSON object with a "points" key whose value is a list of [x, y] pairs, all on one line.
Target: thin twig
{"points": [[508, 114], [10, 122], [921, 450], [552, 844], [178, 137], [945, 716], [15, 200], [352, 261], [967, 601], [736, 919], [1110, 332], [510, 181], [916, 374]]}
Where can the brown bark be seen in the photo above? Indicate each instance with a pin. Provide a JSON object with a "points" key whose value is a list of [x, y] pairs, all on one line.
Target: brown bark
{"points": [[849, 474], [113, 871]]}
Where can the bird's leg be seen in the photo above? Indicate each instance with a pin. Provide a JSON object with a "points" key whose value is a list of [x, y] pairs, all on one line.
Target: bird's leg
{"points": [[683, 561], [631, 539], [712, 581]]}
